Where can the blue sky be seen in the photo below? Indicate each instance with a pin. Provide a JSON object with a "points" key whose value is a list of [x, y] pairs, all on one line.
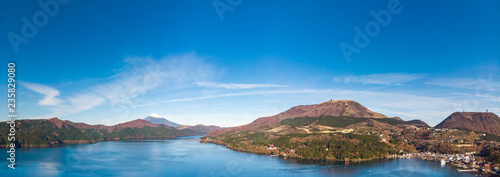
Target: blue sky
{"points": [[106, 62]]}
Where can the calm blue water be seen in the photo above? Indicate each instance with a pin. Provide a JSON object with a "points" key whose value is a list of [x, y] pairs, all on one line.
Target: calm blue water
{"points": [[187, 157]]}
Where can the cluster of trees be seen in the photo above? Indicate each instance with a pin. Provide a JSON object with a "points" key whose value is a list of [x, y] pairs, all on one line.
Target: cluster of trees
{"points": [[42, 133], [299, 121], [391, 121], [491, 154], [316, 146], [491, 137], [332, 121], [340, 121], [348, 146], [335, 146]]}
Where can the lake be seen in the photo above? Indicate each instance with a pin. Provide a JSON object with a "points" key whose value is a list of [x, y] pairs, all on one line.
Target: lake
{"points": [[185, 156]]}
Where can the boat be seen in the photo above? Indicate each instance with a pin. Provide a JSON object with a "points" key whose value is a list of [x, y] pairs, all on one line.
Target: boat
{"points": [[466, 170], [443, 162]]}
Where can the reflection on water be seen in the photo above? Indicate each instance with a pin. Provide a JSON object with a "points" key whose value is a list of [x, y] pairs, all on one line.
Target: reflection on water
{"points": [[187, 157]]}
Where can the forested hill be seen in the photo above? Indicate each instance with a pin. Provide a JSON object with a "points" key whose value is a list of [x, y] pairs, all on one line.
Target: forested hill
{"points": [[334, 129], [52, 132]]}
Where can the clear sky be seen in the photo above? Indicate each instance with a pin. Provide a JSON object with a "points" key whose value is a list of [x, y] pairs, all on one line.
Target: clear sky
{"points": [[229, 62]]}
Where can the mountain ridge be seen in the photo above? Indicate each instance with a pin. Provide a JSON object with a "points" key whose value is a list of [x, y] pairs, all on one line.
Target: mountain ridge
{"points": [[54, 131], [333, 108], [137, 123], [487, 122]]}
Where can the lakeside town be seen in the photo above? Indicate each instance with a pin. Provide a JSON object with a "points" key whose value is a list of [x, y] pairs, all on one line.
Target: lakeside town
{"points": [[463, 162]]}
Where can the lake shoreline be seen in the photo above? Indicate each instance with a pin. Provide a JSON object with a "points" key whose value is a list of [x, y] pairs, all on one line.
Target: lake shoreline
{"points": [[280, 155], [82, 142], [385, 158]]}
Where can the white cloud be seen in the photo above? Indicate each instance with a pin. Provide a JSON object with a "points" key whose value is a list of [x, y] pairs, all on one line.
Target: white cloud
{"points": [[85, 101], [77, 103], [225, 95], [236, 86], [383, 79], [481, 96], [142, 75], [466, 83], [49, 93], [497, 110]]}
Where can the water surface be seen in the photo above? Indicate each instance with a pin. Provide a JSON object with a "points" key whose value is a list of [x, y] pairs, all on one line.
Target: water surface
{"points": [[187, 157]]}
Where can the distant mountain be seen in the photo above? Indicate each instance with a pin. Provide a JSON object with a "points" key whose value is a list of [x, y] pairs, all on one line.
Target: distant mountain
{"points": [[200, 128], [346, 108], [477, 121], [157, 119], [51, 132]]}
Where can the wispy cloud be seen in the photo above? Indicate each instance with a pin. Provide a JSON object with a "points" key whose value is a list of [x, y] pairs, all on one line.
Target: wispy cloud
{"points": [[49, 93], [236, 86], [77, 103], [85, 101], [226, 95], [142, 75], [219, 119], [383, 79], [480, 83], [481, 97], [129, 85]]}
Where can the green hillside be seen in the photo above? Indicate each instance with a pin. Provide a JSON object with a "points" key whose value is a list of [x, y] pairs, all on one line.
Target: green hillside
{"points": [[341, 121], [43, 133]]}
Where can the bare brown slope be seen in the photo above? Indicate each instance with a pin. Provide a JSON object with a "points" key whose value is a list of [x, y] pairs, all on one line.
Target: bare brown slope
{"points": [[342, 108], [295, 111], [476, 121], [332, 108]]}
